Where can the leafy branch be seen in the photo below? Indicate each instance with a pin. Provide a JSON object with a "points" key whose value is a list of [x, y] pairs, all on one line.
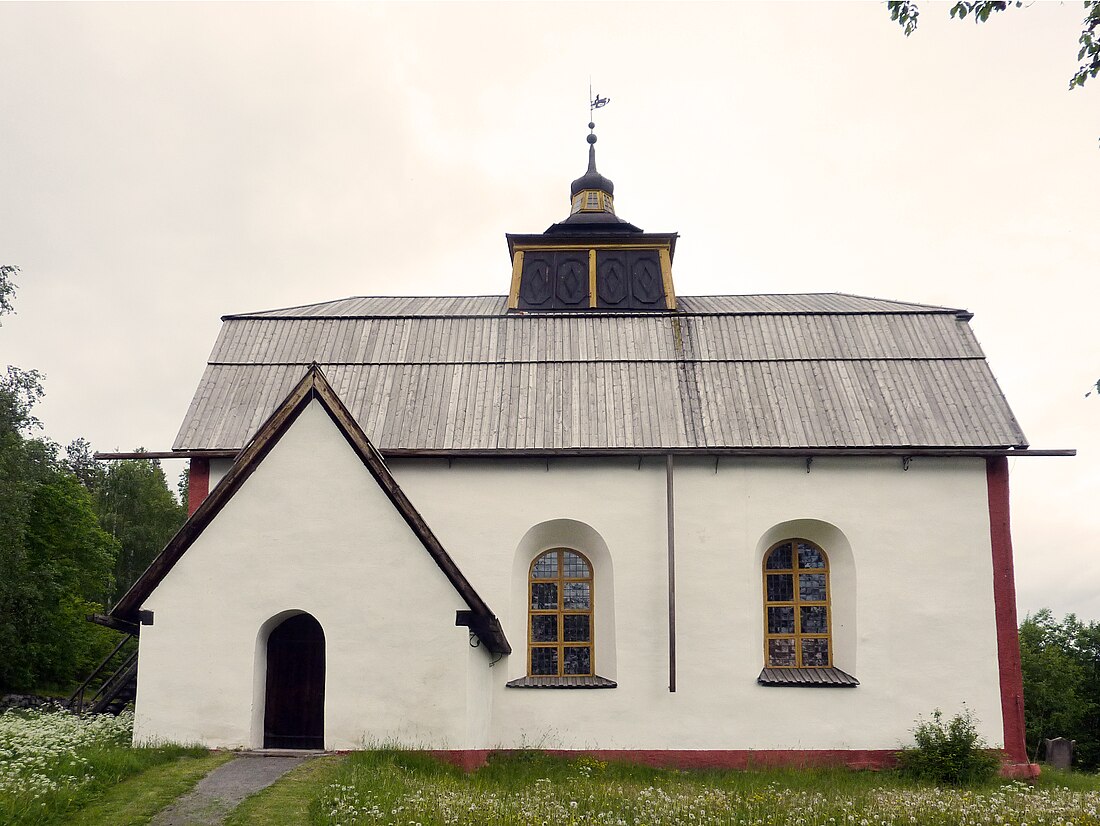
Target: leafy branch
{"points": [[7, 288], [906, 14], [1089, 54]]}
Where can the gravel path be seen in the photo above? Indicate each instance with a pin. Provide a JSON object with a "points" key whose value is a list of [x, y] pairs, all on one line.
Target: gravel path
{"points": [[217, 794]]}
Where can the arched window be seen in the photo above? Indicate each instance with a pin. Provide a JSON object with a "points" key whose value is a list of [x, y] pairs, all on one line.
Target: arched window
{"points": [[559, 638], [798, 627]]}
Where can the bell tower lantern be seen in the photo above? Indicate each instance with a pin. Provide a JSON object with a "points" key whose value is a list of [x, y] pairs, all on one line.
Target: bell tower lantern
{"points": [[593, 260]]}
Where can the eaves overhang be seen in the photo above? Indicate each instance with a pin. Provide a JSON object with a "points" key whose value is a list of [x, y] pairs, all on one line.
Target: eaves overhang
{"points": [[591, 239], [790, 452]]}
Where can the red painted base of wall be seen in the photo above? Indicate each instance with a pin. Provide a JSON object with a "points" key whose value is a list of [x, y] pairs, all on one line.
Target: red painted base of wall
{"points": [[1021, 771], [700, 758], [736, 759]]}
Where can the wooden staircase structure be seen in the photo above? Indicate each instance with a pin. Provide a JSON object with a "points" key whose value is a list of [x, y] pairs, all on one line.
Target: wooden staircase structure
{"points": [[113, 684]]}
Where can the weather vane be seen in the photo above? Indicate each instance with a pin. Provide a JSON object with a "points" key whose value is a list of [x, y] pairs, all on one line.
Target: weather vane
{"points": [[594, 102]]}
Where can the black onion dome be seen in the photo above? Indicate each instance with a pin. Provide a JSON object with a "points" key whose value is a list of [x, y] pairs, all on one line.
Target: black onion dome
{"points": [[592, 202], [591, 179]]}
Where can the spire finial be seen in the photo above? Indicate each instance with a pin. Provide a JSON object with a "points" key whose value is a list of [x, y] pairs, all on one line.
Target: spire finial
{"points": [[591, 196], [594, 103]]}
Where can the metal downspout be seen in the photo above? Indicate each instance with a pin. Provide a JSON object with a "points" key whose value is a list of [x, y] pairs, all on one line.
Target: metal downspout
{"points": [[670, 518]]}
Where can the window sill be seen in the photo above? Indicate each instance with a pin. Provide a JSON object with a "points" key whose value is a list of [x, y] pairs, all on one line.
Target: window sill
{"points": [[807, 678], [562, 682]]}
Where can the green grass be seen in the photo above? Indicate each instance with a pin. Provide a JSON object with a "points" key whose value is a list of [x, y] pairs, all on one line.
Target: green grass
{"points": [[287, 802], [1074, 780], [56, 768], [136, 800], [394, 787]]}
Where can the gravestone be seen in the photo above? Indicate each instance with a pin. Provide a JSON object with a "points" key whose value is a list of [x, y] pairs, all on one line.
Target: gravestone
{"points": [[1059, 752]]}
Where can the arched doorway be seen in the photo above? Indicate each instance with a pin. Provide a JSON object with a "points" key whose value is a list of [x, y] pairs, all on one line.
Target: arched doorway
{"points": [[294, 706]]}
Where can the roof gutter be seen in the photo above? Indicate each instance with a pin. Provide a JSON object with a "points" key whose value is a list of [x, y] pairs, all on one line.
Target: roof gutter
{"points": [[791, 452], [540, 453]]}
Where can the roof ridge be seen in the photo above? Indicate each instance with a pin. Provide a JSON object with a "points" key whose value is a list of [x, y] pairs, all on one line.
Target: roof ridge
{"points": [[511, 362], [897, 301], [277, 312]]}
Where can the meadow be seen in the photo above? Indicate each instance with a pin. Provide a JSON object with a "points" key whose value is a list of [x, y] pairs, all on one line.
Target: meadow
{"points": [[54, 766], [58, 768], [528, 788]]}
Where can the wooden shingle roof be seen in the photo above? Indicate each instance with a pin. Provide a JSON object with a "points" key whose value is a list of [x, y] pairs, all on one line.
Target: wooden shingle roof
{"points": [[454, 375]]}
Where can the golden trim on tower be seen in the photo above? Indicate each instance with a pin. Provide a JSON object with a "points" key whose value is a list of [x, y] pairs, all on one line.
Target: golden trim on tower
{"points": [[517, 271]]}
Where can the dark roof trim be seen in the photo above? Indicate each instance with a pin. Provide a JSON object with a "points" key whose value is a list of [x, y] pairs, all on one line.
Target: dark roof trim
{"points": [[807, 677], [779, 452], [901, 308], [108, 621], [312, 386], [617, 232], [484, 627], [167, 454], [602, 312], [776, 452]]}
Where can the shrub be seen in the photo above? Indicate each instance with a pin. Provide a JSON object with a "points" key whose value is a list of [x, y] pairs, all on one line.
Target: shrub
{"points": [[949, 752]]}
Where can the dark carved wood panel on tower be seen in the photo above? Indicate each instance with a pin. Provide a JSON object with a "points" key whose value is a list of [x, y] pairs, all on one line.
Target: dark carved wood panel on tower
{"points": [[554, 280], [626, 279], [629, 280]]}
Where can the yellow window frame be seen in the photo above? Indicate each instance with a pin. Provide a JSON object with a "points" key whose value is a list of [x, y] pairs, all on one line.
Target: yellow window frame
{"points": [[797, 603], [561, 612]]}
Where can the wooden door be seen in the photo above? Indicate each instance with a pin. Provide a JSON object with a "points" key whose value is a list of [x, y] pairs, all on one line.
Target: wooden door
{"points": [[294, 712]]}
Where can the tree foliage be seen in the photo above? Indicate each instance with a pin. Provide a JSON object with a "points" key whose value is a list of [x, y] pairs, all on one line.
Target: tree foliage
{"points": [[7, 288], [136, 506], [56, 559], [73, 536], [907, 14], [1061, 669], [68, 563]]}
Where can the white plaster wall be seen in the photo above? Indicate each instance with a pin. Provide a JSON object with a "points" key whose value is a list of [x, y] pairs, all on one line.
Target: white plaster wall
{"points": [[911, 579], [218, 469], [911, 587], [309, 531]]}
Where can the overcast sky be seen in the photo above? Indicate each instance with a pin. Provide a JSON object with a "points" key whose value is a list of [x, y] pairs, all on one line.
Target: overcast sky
{"points": [[163, 165]]}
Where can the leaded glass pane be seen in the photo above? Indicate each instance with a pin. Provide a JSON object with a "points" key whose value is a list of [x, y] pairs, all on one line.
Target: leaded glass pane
{"points": [[544, 628], [780, 588], [578, 660], [809, 556], [575, 567], [815, 653], [546, 567], [544, 596], [578, 596], [815, 619], [781, 620], [577, 628], [780, 652], [811, 587], [544, 661], [780, 558]]}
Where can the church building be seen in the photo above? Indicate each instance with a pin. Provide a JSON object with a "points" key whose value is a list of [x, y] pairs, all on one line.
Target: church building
{"points": [[589, 515]]}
